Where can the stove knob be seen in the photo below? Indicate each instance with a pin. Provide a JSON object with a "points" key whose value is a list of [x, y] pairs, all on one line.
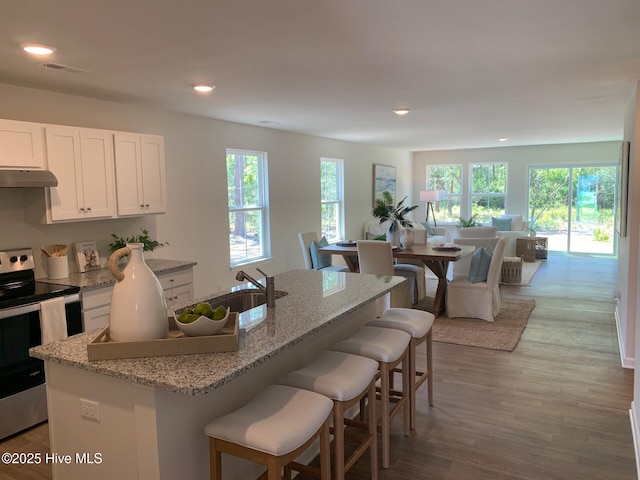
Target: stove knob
{"points": [[23, 258], [13, 259]]}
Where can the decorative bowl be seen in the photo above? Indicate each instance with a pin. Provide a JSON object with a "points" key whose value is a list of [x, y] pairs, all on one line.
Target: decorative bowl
{"points": [[202, 325]]}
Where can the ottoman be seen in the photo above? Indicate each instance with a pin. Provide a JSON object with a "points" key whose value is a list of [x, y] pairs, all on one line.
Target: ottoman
{"points": [[512, 270]]}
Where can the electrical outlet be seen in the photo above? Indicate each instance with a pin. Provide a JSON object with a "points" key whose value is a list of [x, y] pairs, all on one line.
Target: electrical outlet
{"points": [[90, 409]]}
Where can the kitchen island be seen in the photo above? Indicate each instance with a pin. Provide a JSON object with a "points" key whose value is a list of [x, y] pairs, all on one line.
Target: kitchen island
{"points": [[152, 411]]}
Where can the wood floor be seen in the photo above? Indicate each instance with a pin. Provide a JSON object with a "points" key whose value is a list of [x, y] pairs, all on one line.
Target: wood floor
{"points": [[556, 408]]}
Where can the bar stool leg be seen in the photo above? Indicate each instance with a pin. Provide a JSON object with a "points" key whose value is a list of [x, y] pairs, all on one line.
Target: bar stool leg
{"points": [[430, 367]]}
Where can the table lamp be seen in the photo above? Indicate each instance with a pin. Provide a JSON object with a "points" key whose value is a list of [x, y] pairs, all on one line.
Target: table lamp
{"points": [[430, 196]]}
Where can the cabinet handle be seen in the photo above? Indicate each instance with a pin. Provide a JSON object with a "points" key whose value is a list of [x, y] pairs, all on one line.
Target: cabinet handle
{"points": [[88, 209], [141, 205], [147, 205], [82, 209]]}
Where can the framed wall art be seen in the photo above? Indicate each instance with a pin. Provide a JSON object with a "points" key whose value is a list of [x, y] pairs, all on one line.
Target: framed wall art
{"points": [[622, 190], [87, 257], [384, 179]]}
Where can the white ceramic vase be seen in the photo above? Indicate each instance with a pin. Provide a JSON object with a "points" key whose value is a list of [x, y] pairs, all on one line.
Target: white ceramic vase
{"points": [[138, 307], [393, 236]]}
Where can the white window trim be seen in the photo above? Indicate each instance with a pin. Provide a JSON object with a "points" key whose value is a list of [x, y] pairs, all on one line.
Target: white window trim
{"points": [[263, 180], [340, 202], [486, 194]]}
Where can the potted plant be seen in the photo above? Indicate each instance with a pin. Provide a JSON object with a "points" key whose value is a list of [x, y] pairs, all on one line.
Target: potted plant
{"points": [[148, 245], [471, 222], [393, 215]]}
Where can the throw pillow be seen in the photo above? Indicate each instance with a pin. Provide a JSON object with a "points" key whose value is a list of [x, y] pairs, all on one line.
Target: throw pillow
{"points": [[480, 261], [517, 222], [501, 224], [319, 260], [428, 228]]}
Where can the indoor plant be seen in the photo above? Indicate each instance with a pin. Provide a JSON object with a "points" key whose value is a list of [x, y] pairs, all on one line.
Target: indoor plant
{"points": [[471, 222], [394, 215], [148, 245]]}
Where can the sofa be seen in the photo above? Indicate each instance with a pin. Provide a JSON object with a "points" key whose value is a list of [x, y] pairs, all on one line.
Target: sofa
{"points": [[518, 228]]}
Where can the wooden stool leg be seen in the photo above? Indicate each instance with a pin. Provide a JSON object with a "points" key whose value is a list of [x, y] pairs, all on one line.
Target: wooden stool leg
{"points": [[338, 439], [412, 384], [215, 465], [373, 430], [385, 420], [407, 381], [430, 367], [325, 453]]}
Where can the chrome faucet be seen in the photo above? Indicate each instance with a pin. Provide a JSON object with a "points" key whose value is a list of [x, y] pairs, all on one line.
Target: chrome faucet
{"points": [[269, 290]]}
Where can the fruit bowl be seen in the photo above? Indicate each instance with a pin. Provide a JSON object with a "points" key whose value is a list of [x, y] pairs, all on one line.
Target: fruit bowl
{"points": [[202, 325]]}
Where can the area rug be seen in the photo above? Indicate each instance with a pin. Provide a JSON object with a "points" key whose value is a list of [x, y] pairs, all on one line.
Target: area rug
{"points": [[529, 269], [502, 334]]}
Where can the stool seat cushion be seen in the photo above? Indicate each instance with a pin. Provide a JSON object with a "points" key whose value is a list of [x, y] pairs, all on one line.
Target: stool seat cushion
{"points": [[277, 421], [380, 344], [416, 323], [338, 375]]}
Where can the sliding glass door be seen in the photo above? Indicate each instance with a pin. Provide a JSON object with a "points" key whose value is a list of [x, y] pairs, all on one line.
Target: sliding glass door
{"points": [[574, 207]]}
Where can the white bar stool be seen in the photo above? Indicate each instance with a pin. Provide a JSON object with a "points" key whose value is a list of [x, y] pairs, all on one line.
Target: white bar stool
{"points": [[273, 429], [389, 348], [346, 379], [416, 323]]}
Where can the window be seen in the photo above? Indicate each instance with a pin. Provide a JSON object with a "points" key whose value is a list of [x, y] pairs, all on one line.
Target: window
{"points": [[447, 179], [332, 198], [248, 206], [488, 190]]}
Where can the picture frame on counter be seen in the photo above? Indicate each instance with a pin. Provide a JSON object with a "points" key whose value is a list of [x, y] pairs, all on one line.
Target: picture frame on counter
{"points": [[87, 257]]}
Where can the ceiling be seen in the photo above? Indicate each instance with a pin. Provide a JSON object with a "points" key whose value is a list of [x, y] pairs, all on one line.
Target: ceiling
{"points": [[536, 71]]}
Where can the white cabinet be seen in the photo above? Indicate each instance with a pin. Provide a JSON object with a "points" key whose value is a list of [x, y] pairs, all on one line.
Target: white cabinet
{"points": [[21, 145], [140, 174], [82, 160], [96, 303], [177, 287]]}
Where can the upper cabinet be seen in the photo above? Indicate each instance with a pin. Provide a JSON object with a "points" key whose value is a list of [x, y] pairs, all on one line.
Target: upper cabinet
{"points": [[140, 174], [21, 145], [82, 160]]}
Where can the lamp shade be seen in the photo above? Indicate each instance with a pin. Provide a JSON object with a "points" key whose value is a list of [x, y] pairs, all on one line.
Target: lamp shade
{"points": [[429, 195]]}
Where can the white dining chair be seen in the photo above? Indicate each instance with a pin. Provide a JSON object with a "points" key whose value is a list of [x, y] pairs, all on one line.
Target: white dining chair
{"points": [[477, 299], [306, 239]]}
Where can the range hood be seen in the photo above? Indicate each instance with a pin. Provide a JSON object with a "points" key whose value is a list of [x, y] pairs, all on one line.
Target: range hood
{"points": [[27, 178]]}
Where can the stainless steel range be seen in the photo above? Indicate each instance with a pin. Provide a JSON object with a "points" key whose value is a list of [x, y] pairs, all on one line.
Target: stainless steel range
{"points": [[23, 400]]}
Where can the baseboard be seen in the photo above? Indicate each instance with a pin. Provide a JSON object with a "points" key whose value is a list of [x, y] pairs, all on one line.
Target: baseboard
{"points": [[634, 433], [626, 361]]}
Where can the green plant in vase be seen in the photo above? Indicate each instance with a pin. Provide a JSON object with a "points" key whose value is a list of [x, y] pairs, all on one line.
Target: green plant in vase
{"points": [[148, 244], [395, 215]]}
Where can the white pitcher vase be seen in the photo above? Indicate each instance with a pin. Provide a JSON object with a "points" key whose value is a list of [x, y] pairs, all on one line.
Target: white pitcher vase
{"points": [[407, 239], [138, 306]]}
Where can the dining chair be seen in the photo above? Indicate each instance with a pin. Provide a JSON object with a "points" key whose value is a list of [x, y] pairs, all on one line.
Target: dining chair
{"points": [[307, 240], [477, 299], [376, 257]]}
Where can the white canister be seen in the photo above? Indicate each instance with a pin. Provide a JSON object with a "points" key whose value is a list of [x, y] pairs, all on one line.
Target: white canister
{"points": [[138, 307], [57, 267]]}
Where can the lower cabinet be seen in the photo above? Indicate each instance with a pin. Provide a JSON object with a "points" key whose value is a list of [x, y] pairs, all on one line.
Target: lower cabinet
{"points": [[96, 303]]}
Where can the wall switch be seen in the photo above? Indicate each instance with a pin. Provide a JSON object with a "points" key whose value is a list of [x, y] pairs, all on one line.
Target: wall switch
{"points": [[90, 409]]}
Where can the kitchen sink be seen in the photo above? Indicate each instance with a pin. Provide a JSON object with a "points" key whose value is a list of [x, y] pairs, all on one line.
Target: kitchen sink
{"points": [[244, 300]]}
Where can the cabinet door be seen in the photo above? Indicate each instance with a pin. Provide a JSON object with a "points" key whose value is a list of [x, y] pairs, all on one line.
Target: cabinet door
{"points": [[21, 145], [96, 318], [128, 174], [64, 160], [97, 173], [153, 175]]}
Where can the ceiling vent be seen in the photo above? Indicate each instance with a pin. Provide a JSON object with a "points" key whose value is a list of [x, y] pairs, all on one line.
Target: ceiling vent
{"points": [[66, 68]]}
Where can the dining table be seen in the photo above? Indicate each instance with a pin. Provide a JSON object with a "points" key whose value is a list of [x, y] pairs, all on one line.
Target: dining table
{"points": [[435, 257]]}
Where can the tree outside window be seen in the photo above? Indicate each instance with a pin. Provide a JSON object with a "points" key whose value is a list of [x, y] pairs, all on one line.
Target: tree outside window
{"points": [[447, 179], [332, 198], [248, 206], [488, 190]]}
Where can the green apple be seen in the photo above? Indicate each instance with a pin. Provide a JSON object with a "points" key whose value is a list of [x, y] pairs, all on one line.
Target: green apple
{"points": [[188, 318], [219, 313], [204, 309]]}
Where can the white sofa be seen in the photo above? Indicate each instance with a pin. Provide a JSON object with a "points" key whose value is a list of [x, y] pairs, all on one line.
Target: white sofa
{"points": [[519, 229]]}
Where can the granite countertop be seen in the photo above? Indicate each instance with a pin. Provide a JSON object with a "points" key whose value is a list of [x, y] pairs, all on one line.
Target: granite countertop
{"points": [[103, 277], [315, 300]]}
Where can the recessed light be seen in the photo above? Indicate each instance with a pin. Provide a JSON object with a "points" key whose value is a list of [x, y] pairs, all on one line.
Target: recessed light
{"points": [[401, 111], [38, 48], [203, 88], [503, 139]]}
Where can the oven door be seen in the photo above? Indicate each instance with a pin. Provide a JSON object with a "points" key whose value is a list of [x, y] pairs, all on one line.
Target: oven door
{"points": [[19, 331]]}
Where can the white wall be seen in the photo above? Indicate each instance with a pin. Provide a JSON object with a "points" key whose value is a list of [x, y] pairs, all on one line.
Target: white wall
{"points": [[519, 160], [196, 222]]}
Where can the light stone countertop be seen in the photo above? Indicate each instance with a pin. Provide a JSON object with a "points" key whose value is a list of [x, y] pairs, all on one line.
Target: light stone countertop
{"points": [[315, 300], [103, 277]]}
